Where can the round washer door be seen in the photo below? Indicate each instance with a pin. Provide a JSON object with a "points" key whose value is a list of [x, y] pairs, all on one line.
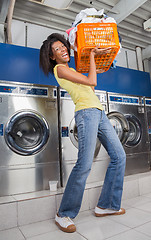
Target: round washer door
{"points": [[26, 132], [120, 124], [135, 131], [74, 137]]}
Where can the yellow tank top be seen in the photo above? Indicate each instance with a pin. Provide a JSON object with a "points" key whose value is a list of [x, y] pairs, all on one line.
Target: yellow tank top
{"points": [[82, 95]]}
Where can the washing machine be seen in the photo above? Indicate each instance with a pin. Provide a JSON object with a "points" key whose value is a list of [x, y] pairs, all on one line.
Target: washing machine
{"points": [[148, 121], [70, 140], [127, 116], [29, 143]]}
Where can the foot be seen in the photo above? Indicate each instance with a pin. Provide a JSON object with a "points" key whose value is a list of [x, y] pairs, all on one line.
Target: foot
{"points": [[65, 224], [100, 212]]}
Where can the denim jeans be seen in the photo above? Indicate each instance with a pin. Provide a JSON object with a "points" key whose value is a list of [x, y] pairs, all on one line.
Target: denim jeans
{"points": [[92, 123]]}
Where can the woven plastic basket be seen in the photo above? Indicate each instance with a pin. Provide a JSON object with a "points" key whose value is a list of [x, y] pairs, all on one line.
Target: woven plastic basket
{"points": [[89, 35]]}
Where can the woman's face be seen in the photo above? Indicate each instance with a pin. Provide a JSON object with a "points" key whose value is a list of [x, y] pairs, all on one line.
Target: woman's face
{"points": [[60, 53]]}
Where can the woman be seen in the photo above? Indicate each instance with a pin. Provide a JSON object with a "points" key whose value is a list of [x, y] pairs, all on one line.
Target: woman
{"points": [[91, 123]]}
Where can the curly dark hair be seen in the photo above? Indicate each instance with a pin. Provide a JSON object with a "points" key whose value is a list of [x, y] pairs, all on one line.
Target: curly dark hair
{"points": [[45, 61]]}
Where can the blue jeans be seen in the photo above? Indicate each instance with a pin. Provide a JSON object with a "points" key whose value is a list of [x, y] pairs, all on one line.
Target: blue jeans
{"points": [[92, 123]]}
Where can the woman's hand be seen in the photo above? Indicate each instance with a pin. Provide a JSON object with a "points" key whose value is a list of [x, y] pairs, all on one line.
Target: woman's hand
{"points": [[97, 50], [100, 71]]}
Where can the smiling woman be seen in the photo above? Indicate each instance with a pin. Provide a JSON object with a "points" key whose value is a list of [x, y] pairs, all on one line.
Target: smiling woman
{"points": [[46, 53], [89, 114], [60, 53]]}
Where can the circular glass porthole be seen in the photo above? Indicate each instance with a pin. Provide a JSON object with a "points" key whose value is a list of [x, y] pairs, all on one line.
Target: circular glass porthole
{"points": [[135, 132], [26, 132], [120, 124]]}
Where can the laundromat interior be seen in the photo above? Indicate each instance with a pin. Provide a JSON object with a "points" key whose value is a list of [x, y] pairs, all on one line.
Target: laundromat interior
{"points": [[38, 135]]}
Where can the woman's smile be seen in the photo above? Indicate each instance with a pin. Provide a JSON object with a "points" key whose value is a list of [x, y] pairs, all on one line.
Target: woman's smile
{"points": [[65, 55]]}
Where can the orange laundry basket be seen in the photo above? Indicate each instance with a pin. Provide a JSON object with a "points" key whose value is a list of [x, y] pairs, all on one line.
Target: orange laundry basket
{"points": [[88, 36]]}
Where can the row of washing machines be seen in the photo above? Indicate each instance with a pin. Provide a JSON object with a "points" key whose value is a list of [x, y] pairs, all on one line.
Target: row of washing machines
{"points": [[131, 119], [38, 136]]}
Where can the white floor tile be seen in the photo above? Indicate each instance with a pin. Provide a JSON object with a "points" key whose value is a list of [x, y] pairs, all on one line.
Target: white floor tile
{"points": [[86, 216], [138, 201], [8, 215], [100, 228], [35, 229], [58, 235], [125, 205], [130, 235], [145, 228], [130, 189], [36, 210], [11, 234], [133, 218], [147, 195], [145, 207], [144, 185]]}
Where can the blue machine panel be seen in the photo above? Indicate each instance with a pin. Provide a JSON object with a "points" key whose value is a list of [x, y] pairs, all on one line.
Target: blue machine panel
{"points": [[125, 81], [130, 100], [120, 99], [148, 102], [33, 91], [21, 64], [64, 94], [8, 89], [1, 129], [23, 90], [115, 99], [65, 132]]}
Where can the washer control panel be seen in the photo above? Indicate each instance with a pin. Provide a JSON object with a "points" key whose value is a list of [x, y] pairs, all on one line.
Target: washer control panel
{"points": [[124, 99], [23, 90], [148, 102]]}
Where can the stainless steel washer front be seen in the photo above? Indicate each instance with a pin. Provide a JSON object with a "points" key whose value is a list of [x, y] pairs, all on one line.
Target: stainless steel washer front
{"points": [[29, 142], [135, 144]]}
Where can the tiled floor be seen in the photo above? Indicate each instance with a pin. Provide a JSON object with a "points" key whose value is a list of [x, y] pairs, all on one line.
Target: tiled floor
{"points": [[134, 225]]}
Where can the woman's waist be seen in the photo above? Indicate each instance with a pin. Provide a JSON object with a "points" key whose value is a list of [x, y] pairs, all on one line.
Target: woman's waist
{"points": [[81, 106]]}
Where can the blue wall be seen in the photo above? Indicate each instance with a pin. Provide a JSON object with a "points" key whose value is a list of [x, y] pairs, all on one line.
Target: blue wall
{"points": [[21, 64]]}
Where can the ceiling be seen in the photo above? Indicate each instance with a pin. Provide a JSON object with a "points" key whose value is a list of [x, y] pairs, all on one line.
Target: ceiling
{"points": [[129, 15]]}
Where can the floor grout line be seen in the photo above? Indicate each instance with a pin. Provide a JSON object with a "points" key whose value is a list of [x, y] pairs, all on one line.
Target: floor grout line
{"points": [[21, 233]]}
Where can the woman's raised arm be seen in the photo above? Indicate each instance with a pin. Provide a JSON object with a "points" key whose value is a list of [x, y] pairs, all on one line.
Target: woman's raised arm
{"points": [[90, 80]]}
